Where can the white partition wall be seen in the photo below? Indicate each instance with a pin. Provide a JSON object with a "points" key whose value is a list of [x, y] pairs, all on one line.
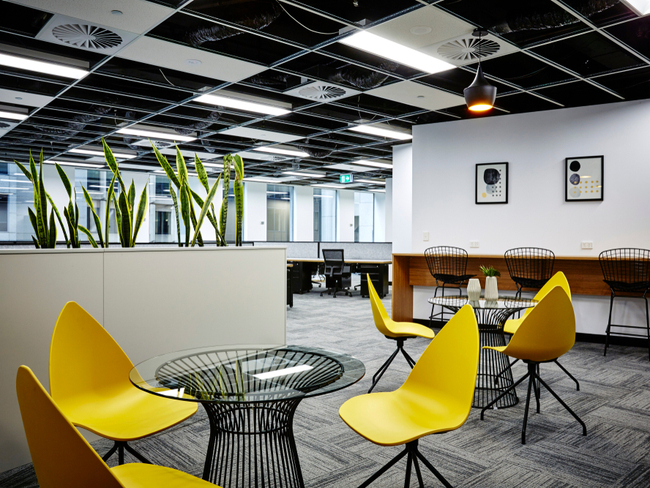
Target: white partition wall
{"points": [[152, 301]]}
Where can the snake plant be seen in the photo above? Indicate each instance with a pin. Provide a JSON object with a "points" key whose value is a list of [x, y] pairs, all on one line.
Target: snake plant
{"points": [[71, 212]]}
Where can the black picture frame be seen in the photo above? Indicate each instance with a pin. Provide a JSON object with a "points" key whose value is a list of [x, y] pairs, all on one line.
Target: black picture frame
{"points": [[491, 184], [584, 179]]}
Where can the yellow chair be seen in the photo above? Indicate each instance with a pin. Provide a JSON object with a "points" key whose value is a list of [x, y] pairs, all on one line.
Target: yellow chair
{"points": [[511, 326], [63, 458], [545, 334], [89, 380], [397, 331], [436, 397]]}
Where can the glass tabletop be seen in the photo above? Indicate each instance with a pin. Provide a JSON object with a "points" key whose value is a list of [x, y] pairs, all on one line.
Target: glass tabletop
{"points": [[247, 375], [501, 303]]}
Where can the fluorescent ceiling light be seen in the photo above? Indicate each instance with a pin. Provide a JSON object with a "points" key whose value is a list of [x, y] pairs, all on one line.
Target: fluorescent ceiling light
{"points": [[384, 48], [12, 115], [374, 164], [283, 372], [378, 191], [94, 152], [372, 182], [286, 152], [242, 105], [73, 163], [326, 185], [642, 7], [311, 175], [378, 131], [156, 135], [41, 67]]}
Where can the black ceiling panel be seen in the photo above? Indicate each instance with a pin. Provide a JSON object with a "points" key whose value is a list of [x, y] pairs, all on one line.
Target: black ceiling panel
{"points": [[635, 34], [633, 85], [602, 13], [523, 70], [456, 80], [22, 20], [524, 102], [578, 94]]}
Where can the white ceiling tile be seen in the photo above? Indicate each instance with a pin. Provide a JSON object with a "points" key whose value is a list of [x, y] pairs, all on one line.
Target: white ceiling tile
{"points": [[352, 168], [24, 98], [263, 135], [174, 56], [408, 92], [137, 15]]}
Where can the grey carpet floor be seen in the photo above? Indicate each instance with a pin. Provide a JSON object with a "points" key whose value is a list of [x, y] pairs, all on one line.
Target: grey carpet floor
{"points": [[614, 401]]}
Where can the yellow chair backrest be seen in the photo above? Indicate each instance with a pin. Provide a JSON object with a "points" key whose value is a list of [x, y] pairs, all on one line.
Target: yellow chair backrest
{"points": [[61, 456], [382, 320], [84, 357], [447, 368], [548, 331], [558, 279]]}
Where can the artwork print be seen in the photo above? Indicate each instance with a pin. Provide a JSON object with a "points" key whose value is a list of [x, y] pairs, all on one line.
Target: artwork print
{"points": [[583, 179], [491, 183]]}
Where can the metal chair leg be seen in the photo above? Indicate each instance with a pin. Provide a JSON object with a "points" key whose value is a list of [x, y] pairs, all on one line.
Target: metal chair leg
{"points": [[431, 468], [568, 374], [530, 384], [120, 447], [575, 416], [384, 468], [647, 321], [609, 323], [382, 369]]}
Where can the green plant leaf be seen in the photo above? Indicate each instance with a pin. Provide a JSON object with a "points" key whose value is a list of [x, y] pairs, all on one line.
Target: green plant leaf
{"points": [[162, 160], [35, 242], [91, 239], [239, 207], [32, 219], [223, 213], [131, 196], [91, 206], [203, 175], [58, 216], [118, 219], [24, 170], [180, 167], [64, 179], [112, 164], [126, 220], [52, 236], [204, 210], [178, 223], [41, 214], [239, 166], [185, 211], [142, 211], [107, 216]]}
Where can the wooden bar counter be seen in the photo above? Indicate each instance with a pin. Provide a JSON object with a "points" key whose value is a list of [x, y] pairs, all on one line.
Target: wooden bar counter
{"points": [[410, 269]]}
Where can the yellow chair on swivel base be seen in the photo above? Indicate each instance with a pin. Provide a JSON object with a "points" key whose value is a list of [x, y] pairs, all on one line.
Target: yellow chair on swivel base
{"points": [[436, 397], [545, 334], [397, 331], [89, 381], [63, 458], [511, 326]]}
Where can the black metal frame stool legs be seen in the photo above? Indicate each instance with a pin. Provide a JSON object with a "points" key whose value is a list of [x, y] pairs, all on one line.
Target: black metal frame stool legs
{"points": [[534, 381], [413, 454], [610, 325], [400, 347], [496, 379], [120, 446]]}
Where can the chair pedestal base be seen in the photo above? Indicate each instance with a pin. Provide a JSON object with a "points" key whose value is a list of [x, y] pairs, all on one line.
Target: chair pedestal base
{"points": [[413, 454], [400, 348], [534, 382], [120, 447]]}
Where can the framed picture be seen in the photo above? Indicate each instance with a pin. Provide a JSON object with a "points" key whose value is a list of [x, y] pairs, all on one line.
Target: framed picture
{"points": [[583, 179], [492, 183]]}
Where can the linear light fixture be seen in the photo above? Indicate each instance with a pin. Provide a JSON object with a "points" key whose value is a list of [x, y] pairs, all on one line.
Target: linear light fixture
{"points": [[286, 152], [374, 164], [378, 131], [74, 163], [372, 182], [378, 191], [155, 135], [41, 66], [12, 115], [642, 7], [379, 46], [311, 175], [283, 372], [94, 152], [327, 185], [242, 105]]}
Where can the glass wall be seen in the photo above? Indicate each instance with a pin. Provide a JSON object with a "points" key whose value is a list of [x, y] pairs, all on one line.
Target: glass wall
{"points": [[16, 195], [364, 217], [278, 213], [162, 226], [96, 183], [325, 203]]}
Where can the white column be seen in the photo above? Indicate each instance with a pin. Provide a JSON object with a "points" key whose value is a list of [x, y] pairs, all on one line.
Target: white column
{"points": [[380, 217], [402, 197], [254, 211]]}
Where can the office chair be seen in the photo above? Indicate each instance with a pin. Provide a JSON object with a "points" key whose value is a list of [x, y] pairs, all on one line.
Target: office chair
{"points": [[397, 331], [337, 275], [448, 266], [529, 267], [626, 270], [436, 397], [89, 380], [63, 458], [545, 334]]}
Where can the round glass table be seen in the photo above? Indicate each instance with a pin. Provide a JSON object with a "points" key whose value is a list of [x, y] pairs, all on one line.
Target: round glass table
{"points": [[494, 374], [250, 396]]}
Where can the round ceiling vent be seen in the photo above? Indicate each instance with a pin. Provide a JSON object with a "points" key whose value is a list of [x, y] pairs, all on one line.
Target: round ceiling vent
{"points": [[467, 49], [87, 36], [322, 92]]}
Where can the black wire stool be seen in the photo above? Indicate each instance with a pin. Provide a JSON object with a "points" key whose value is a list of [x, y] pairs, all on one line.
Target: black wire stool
{"points": [[626, 270], [529, 267], [448, 266]]}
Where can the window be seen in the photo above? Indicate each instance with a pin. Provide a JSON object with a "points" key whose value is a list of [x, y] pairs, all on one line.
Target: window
{"points": [[163, 220], [4, 168], [4, 200], [162, 186], [93, 180], [278, 213], [324, 215], [364, 217]]}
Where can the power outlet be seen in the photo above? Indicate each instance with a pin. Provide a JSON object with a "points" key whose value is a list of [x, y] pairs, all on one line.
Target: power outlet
{"points": [[473, 243], [587, 244], [425, 236]]}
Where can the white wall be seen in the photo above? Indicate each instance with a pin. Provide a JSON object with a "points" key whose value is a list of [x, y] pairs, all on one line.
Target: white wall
{"points": [[345, 222], [389, 210], [402, 197], [254, 211], [303, 213], [380, 217], [535, 146]]}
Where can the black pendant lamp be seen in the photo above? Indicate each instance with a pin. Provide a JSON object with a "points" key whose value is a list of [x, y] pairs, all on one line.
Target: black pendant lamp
{"points": [[480, 95]]}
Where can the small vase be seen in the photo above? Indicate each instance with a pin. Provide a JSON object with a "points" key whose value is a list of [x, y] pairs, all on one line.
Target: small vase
{"points": [[473, 289], [491, 290]]}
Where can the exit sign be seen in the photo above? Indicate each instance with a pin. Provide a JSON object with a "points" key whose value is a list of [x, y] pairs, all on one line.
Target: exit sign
{"points": [[346, 178]]}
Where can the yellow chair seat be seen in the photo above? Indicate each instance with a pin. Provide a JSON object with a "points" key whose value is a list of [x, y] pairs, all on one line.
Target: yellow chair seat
{"points": [[149, 476], [511, 326], [409, 329]]}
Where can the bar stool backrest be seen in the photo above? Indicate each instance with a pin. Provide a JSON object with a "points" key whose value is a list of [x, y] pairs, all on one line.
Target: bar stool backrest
{"points": [[446, 261], [530, 267], [626, 269]]}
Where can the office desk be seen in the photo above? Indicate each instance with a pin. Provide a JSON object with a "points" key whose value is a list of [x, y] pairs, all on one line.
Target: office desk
{"points": [[304, 268]]}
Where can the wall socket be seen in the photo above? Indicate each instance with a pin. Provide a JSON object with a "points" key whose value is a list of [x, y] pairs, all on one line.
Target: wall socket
{"points": [[425, 236], [587, 244], [473, 243]]}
